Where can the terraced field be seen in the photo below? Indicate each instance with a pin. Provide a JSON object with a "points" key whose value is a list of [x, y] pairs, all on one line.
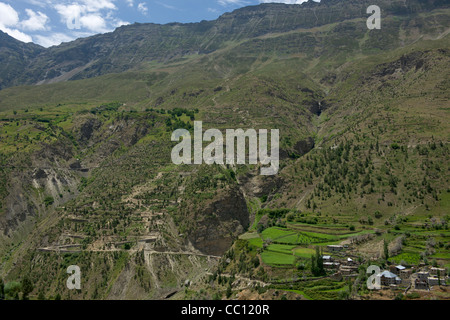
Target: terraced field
{"points": [[292, 236], [277, 255]]}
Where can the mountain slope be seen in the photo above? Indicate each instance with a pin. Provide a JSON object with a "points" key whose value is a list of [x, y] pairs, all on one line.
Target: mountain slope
{"points": [[87, 177], [134, 46]]}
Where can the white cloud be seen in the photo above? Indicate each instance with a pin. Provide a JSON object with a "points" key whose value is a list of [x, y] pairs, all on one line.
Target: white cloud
{"points": [[9, 21], [35, 22], [97, 5], [16, 34], [119, 23], [87, 14], [39, 3], [70, 14], [8, 16], [82, 17], [213, 10], [142, 7], [53, 39], [167, 6], [94, 23], [232, 2]]}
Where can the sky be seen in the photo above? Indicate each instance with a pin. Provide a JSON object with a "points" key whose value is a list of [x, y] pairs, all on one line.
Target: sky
{"points": [[48, 23]]}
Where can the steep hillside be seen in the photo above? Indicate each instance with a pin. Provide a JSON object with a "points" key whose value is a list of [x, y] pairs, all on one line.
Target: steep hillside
{"points": [[87, 178], [15, 57]]}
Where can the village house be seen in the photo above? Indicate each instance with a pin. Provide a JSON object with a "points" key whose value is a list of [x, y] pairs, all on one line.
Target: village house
{"points": [[331, 265], [434, 281], [421, 283], [405, 274], [397, 269], [423, 275], [402, 272], [350, 262], [387, 278], [335, 248], [349, 270], [437, 271]]}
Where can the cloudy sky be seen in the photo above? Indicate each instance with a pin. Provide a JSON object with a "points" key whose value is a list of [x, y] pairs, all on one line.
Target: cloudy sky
{"points": [[50, 22]]}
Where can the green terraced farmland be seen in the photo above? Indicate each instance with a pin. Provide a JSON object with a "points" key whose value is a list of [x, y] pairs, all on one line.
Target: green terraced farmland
{"points": [[304, 252], [277, 254]]}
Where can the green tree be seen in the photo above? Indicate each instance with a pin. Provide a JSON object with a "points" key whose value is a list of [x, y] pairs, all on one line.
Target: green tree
{"points": [[317, 268], [27, 287], [2, 289], [386, 250], [48, 201], [229, 292]]}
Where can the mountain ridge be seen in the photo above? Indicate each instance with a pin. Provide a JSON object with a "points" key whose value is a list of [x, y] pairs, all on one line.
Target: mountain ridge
{"points": [[110, 52]]}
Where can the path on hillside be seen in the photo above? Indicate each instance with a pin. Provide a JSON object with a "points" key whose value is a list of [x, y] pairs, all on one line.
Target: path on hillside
{"points": [[241, 278], [186, 253]]}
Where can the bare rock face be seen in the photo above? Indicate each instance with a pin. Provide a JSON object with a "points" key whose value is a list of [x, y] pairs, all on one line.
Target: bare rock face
{"points": [[255, 185], [224, 218], [43, 175], [304, 146], [86, 128]]}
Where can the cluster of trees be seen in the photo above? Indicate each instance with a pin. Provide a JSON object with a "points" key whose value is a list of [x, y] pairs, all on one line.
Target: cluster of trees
{"points": [[349, 169], [12, 292], [317, 268]]}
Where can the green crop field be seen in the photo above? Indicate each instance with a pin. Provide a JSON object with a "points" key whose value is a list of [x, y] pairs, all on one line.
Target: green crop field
{"points": [[277, 258], [304, 252], [410, 258]]}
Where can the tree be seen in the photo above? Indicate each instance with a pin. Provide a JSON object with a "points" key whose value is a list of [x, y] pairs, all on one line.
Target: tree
{"points": [[48, 201], [229, 292], [2, 289], [386, 250], [439, 277], [317, 268], [27, 287]]}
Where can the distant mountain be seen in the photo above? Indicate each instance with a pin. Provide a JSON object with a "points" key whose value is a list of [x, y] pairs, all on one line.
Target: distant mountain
{"points": [[131, 46], [15, 58]]}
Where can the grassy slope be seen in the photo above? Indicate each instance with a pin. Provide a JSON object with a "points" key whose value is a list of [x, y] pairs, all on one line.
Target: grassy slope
{"points": [[235, 87]]}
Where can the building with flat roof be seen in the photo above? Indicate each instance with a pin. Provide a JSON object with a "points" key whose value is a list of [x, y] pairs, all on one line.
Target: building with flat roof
{"points": [[331, 265], [387, 278], [435, 271], [334, 247], [434, 281]]}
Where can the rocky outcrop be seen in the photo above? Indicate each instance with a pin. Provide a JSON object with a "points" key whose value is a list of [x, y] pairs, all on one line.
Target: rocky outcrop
{"points": [[223, 219], [43, 174], [304, 146], [258, 186], [85, 129]]}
